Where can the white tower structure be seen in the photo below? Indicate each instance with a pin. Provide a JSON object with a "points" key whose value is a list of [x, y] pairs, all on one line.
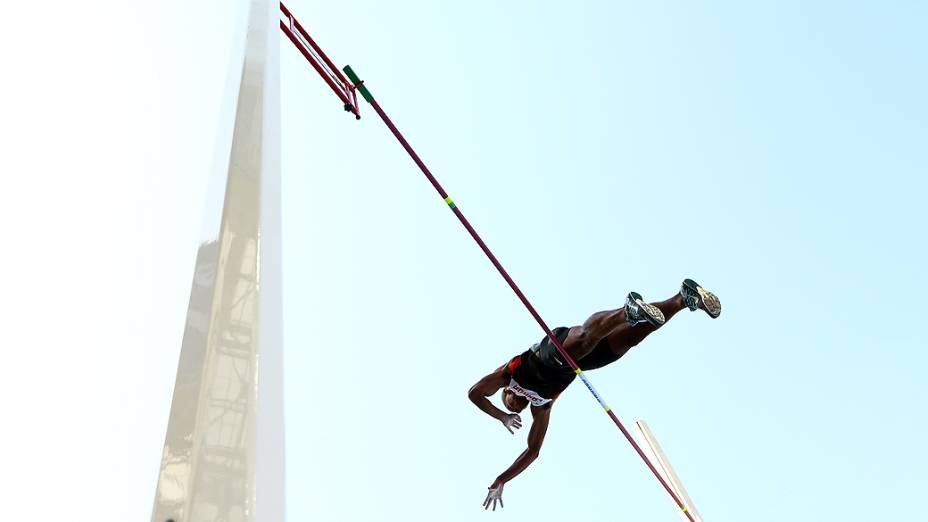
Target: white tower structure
{"points": [[223, 456]]}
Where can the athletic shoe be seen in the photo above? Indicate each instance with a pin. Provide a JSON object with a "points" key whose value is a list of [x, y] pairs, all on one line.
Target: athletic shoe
{"points": [[696, 296], [638, 311]]}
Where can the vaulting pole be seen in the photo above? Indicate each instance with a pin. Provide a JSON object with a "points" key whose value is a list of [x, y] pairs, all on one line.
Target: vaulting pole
{"points": [[358, 84], [333, 78]]}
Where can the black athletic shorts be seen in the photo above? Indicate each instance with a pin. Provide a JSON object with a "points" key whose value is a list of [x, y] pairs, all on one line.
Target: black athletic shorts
{"points": [[599, 356], [542, 369]]}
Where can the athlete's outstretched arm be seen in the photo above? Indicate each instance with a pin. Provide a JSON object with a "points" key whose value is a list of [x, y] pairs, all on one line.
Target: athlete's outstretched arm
{"points": [[536, 436], [488, 386]]}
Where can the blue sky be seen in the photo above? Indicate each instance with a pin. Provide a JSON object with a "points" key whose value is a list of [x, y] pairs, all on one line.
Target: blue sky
{"points": [[773, 151]]}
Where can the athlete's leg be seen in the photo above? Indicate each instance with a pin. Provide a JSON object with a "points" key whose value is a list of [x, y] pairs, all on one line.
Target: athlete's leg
{"points": [[692, 296], [624, 336], [628, 334], [581, 339], [628, 326]]}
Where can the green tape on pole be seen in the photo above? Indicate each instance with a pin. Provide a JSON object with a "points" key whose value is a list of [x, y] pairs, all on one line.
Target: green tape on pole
{"points": [[355, 81]]}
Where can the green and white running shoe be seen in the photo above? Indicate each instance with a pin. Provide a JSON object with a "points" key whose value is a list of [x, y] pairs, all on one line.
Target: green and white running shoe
{"points": [[696, 296], [638, 311]]}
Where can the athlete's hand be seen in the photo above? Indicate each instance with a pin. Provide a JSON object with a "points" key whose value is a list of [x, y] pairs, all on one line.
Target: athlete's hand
{"points": [[495, 494], [511, 420]]}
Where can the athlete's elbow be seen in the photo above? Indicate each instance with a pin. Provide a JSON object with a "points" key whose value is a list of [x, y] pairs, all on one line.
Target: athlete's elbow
{"points": [[474, 394], [532, 453]]}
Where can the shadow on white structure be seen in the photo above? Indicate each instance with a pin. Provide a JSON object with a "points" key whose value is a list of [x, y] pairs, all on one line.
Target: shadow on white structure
{"points": [[223, 456]]}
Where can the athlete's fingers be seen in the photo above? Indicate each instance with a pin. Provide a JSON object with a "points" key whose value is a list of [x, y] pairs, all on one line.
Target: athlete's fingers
{"points": [[501, 502], [510, 429]]}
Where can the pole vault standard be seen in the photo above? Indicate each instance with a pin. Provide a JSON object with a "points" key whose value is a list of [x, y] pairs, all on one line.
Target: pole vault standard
{"points": [[358, 85]]}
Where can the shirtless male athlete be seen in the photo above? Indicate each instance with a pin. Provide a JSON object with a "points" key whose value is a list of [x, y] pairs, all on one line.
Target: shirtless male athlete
{"points": [[540, 374]]}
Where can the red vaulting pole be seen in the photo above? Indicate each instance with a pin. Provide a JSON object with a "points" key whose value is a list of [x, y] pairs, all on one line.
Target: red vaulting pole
{"points": [[515, 288], [346, 92]]}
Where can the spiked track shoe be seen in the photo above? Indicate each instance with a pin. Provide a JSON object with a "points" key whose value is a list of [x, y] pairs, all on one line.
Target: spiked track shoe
{"points": [[696, 296], [638, 311]]}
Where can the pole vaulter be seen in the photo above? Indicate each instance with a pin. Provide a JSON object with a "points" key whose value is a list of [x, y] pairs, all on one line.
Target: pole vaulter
{"points": [[346, 90]]}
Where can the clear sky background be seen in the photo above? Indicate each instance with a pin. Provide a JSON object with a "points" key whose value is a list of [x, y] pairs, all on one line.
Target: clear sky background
{"points": [[773, 151]]}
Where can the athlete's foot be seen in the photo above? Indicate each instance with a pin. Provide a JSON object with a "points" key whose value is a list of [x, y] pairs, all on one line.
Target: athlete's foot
{"points": [[695, 296], [638, 311]]}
